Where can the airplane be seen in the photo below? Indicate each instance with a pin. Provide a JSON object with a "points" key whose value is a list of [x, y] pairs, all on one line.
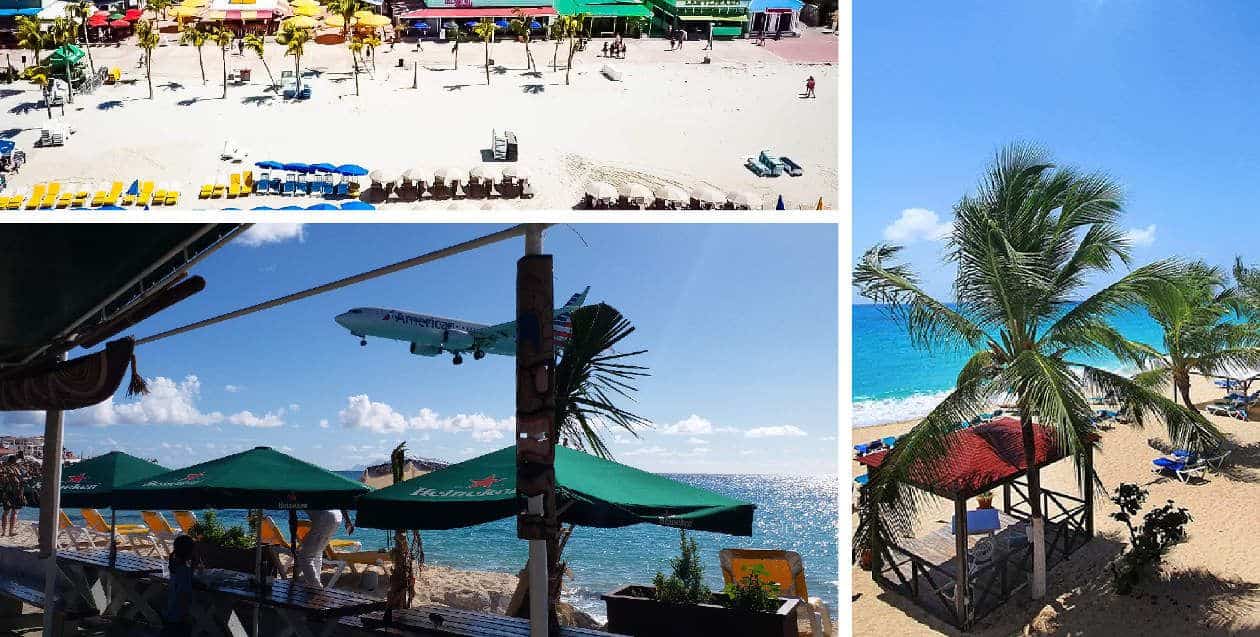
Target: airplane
{"points": [[432, 335]]}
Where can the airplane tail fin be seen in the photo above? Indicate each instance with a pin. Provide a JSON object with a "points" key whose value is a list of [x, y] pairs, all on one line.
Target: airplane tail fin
{"points": [[576, 300], [562, 324]]}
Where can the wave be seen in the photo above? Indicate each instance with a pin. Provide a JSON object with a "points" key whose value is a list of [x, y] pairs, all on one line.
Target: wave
{"points": [[881, 411]]}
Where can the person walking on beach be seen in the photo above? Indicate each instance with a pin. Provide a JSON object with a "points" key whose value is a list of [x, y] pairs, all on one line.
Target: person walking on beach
{"points": [[176, 619], [310, 557], [809, 87], [671, 40], [605, 53], [13, 476]]}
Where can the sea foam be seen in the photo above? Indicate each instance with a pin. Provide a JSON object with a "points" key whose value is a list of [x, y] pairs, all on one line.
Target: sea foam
{"points": [[881, 411]]}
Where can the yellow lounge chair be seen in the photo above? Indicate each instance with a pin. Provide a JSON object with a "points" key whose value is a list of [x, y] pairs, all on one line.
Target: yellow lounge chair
{"points": [[14, 202], [159, 196], [80, 199], [146, 191], [185, 519], [206, 191], [783, 568], [271, 535], [234, 186], [160, 529], [138, 536], [64, 200], [115, 191], [76, 536], [50, 195], [172, 197], [218, 191], [37, 195], [128, 200]]}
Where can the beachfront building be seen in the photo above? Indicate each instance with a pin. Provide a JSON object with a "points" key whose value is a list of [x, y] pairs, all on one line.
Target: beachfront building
{"points": [[774, 18], [245, 16], [441, 19], [609, 17], [701, 18], [10, 10]]}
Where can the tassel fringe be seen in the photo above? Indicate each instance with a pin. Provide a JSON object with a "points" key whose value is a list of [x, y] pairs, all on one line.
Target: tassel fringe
{"points": [[137, 385]]}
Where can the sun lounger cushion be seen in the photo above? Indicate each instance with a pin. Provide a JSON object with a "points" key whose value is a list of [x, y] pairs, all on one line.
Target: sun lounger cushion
{"points": [[980, 521]]}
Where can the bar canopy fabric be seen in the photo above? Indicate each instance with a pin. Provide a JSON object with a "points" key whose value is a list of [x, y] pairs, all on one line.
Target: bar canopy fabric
{"points": [[603, 8], [261, 478], [10, 13], [91, 482], [774, 6], [65, 54], [590, 492], [475, 12], [979, 458]]}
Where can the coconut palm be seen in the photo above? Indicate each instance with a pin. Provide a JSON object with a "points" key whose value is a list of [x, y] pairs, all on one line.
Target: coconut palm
{"points": [[158, 6], [294, 40], [192, 34], [572, 29], [484, 30], [61, 32], [370, 44], [1024, 245], [256, 43], [355, 44], [520, 26], [147, 38], [81, 11], [345, 9], [31, 36], [1247, 284], [223, 37], [1205, 331], [39, 77]]}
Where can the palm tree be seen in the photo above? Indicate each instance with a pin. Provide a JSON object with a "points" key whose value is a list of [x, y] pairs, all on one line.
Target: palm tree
{"points": [[256, 43], [1024, 246], [557, 31], [40, 78], [520, 26], [61, 33], [193, 35], [31, 36], [147, 38], [345, 9], [157, 6], [1202, 332], [572, 28], [455, 48], [84, 10], [223, 37], [294, 40], [371, 43], [485, 31], [1247, 283], [355, 44]]}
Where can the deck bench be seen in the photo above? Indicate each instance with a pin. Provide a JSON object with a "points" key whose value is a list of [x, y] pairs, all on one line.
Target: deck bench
{"points": [[441, 621], [14, 593]]}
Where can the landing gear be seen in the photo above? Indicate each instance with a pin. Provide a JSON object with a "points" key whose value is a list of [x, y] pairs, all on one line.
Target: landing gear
{"points": [[458, 360], [478, 354], [363, 342]]}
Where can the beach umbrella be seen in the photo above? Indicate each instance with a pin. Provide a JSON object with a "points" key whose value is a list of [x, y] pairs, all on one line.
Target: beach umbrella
{"points": [[534, 24], [289, 208], [302, 22], [91, 482], [133, 189], [187, 12], [450, 24], [671, 193], [779, 205], [111, 208], [634, 191], [194, 3], [484, 173], [743, 200], [501, 23], [270, 165], [423, 26], [353, 170], [304, 3], [324, 167], [322, 206], [601, 190], [515, 170], [306, 10], [820, 204], [374, 20], [357, 205], [120, 24], [115, 16], [100, 13], [336, 21], [297, 166], [262, 208], [470, 24], [363, 13], [416, 174], [132, 14], [590, 492], [450, 173], [707, 195], [382, 176]]}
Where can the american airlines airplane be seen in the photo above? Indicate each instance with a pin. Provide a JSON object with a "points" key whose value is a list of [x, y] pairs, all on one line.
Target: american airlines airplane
{"points": [[432, 335]]}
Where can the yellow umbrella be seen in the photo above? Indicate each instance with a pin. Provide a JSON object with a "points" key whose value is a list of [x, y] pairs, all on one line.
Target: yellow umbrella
{"points": [[336, 21], [302, 22], [185, 11], [193, 3], [362, 13], [307, 10], [303, 3], [374, 20]]}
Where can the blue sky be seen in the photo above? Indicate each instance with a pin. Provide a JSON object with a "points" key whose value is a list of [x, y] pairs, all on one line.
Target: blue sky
{"points": [[739, 321], [1162, 95]]}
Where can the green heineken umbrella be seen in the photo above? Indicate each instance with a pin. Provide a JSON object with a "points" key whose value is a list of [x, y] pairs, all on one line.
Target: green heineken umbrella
{"points": [[65, 54], [590, 492], [91, 482], [261, 478]]}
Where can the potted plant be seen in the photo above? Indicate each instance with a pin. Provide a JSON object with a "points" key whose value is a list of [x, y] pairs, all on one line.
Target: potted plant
{"points": [[228, 548], [681, 604], [985, 500]]}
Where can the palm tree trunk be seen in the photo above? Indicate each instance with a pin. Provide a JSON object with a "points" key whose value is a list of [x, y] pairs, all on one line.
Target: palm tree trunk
{"points": [[1037, 587], [202, 64], [554, 55], [223, 51], [88, 49], [457, 53], [487, 63], [48, 98], [297, 71], [268, 69], [1181, 384], [148, 70], [568, 68], [69, 83], [355, 61]]}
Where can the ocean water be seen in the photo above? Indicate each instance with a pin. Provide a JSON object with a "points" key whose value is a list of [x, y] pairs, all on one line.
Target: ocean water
{"points": [[893, 380], [797, 513]]}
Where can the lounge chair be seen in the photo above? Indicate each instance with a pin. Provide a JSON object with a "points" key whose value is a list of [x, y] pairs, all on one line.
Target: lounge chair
{"points": [[862, 480], [109, 198], [138, 536], [161, 530], [234, 186], [771, 162], [76, 537], [1214, 462], [790, 167], [756, 167], [271, 535], [172, 196], [1183, 468], [146, 192], [217, 191], [64, 199], [50, 195], [185, 519], [80, 199], [159, 195], [889, 441], [37, 195], [14, 202], [783, 568], [1230, 409]]}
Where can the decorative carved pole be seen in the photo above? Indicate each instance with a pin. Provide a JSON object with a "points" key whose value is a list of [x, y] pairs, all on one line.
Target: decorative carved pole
{"points": [[535, 423]]}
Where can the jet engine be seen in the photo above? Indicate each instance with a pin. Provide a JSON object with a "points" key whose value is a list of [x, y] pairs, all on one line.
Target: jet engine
{"points": [[425, 350]]}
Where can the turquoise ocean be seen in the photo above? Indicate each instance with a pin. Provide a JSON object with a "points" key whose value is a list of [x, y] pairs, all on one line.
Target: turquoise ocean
{"points": [[894, 381], [797, 513]]}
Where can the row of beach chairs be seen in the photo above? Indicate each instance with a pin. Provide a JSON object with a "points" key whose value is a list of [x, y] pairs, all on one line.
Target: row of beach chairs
{"points": [[772, 164], [1184, 464], [49, 196], [239, 184]]}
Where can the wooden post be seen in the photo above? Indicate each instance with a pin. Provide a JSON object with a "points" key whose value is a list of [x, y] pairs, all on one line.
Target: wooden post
{"points": [[1088, 493], [1006, 497], [960, 546], [50, 508], [535, 422]]}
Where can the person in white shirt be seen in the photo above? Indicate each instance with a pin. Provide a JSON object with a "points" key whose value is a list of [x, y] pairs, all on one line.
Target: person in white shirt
{"points": [[310, 556]]}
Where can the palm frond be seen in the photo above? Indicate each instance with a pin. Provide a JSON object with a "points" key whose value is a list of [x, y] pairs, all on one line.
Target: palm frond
{"points": [[931, 324], [1186, 429]]}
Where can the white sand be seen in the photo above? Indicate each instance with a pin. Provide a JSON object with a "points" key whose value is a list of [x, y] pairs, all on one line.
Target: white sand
{"points": [[1209, 585], [671, 120]]}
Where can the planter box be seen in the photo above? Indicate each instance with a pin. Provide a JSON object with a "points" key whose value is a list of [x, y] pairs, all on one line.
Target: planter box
{"points": [[633, 611], [241, 560]]}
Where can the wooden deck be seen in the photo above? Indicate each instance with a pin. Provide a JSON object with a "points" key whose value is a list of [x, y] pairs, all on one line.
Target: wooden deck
{"points": [[938, 549]]}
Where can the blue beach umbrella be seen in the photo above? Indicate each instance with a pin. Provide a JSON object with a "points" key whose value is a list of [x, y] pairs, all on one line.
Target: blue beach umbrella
{"points": [[322, 206], [779, 206], [470, 24], [423, 26], [231, 208], [353, 170], [111, 208], [298, 167], [501, 23], [134, 188], [533, 24], [324, 167], [450, 24], [270, 165], [262, 208], [357, 205], [290, 208]]}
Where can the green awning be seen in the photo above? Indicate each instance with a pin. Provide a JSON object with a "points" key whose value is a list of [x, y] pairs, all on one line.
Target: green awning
{"points": [[603, 8], [727, 32], [261, 478], [714, 18], [66, 53], [590, 492], [91, 482]]}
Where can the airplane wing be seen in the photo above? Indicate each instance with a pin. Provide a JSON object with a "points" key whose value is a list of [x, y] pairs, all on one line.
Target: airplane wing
{"points": [[501, 338]]}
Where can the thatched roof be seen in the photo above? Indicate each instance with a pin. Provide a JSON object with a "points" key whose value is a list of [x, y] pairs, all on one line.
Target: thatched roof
{"points": [[378, 476]]}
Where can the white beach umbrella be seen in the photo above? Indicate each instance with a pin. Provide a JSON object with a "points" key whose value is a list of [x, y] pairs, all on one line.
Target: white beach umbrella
{"points": [[706, 194], [636, 192], [450, 173], [416, 174], [671, 193], [382, 176], [601, 190], [741, 199], [484, 173], [515, 170]]}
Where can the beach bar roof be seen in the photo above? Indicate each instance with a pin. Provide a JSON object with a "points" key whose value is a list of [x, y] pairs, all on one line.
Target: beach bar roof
{"points": [[603, 8], [474, 12], [590, 492], [260, 478], [91, 482]]}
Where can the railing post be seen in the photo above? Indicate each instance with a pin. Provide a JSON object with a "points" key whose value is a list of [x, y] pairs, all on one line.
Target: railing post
{"points": [[961, 580], [1006, 498], [1088, 493]]}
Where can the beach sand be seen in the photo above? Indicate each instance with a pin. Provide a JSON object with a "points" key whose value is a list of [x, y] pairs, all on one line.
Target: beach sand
{"points": [[671, 121], [1209, 585]]}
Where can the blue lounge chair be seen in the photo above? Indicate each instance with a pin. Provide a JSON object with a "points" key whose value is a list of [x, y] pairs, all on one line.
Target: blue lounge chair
{"points": [[790, 167], [862, 479], [1183, 468], [290, 187], [772, 163], [756, 168], [889, 442]]}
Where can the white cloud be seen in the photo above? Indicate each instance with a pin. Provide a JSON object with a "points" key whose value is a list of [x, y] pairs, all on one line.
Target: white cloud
{"points": [[363, 413], [232, 389], [774, 432], [692, 425], [294, 407], [1142, 237], [323, 423], [267, 420], [917, 224], [697, 441], [662, 452], [261, 234]]}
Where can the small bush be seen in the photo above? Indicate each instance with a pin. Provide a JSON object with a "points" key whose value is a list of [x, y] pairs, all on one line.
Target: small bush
{"points": [[1161, 529], [686, 584], [210, 530], [750, 593]]}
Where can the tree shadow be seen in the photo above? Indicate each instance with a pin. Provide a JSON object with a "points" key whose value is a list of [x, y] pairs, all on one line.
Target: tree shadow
{"points": [[9, 92], [499, 70], [1243, 464], [534, 74], [189, 102], [109, 105], [10, 133], [26, 107], [454, 87], [258, 100], [533, 89], [172, 86], [129, 81]]}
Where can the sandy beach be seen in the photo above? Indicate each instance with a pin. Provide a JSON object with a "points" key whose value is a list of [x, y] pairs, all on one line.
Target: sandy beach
{"points": [[1209, 585], [672, 120]]}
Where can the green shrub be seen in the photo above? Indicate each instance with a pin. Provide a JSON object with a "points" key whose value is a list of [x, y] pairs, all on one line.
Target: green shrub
{"points": [[686, 584], [210, 530], [750, 593], [1161, 529]]}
